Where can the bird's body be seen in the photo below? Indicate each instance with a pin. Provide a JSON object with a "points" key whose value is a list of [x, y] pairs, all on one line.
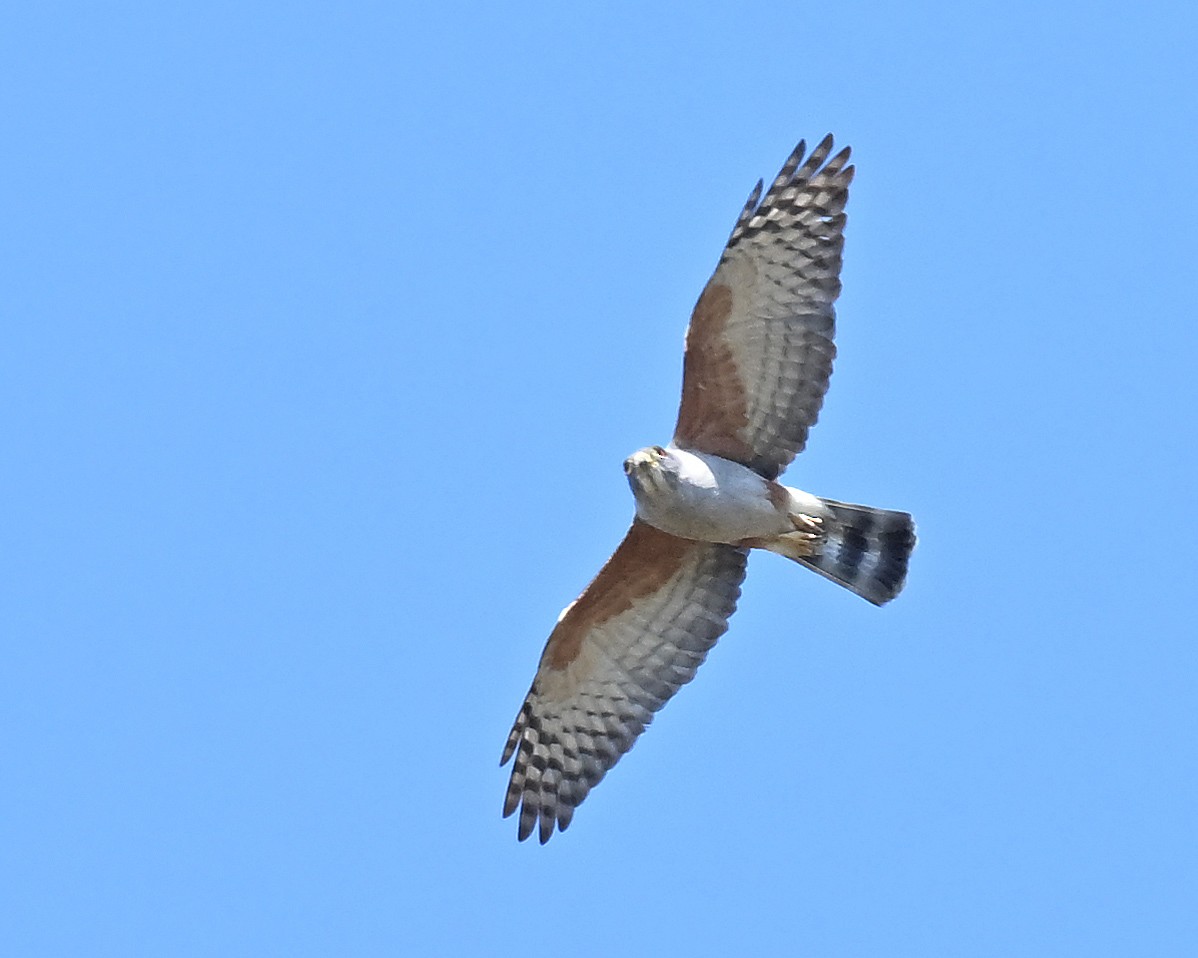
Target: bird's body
{"points": [[696, 495], [758, 359]]}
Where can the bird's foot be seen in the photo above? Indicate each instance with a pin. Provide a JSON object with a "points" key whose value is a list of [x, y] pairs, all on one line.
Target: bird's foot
{"points": [[807, 537]]}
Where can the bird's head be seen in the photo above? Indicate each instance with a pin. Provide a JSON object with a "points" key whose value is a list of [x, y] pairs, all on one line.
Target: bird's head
{"points": [[651, 467]]}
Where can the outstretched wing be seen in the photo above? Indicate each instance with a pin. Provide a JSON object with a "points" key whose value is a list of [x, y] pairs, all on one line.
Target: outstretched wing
{"points": [[759, 347], [618, 653]]}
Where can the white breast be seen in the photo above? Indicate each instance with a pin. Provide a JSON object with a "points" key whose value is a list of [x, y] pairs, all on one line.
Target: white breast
{"points": [[715, 500]]}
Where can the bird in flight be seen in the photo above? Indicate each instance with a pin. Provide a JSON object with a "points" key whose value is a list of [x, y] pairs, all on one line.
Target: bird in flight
{"points": [[758, 358]]}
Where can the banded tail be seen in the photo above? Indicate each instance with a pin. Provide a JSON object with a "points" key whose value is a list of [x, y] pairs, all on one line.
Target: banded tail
{"points": [[863, 549]]}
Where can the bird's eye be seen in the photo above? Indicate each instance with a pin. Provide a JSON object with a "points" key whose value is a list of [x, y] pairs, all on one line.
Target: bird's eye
{"points": [[659, 450]]}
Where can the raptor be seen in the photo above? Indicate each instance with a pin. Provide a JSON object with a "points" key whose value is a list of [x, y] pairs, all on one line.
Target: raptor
{"points": [[758, 358]]}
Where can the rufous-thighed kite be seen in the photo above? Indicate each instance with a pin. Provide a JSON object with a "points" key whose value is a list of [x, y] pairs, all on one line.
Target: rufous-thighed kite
{"points": [[758, 358]]}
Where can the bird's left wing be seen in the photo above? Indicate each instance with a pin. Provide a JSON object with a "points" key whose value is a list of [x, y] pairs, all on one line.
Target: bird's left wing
{"points": [[618, 653]]}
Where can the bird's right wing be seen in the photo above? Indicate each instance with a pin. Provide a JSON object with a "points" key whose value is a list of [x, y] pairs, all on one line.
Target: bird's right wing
{"points": [[618, 653], [759, 347]]}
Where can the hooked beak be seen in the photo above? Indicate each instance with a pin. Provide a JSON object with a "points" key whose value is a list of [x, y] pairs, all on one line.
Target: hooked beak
{"points": [[637, 461]]}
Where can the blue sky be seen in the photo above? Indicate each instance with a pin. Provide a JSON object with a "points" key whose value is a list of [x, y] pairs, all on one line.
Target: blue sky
{"points": [[327, 328]]}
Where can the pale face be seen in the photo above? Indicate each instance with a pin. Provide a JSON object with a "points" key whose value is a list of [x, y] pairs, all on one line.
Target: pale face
{"points": [[651, 469]]}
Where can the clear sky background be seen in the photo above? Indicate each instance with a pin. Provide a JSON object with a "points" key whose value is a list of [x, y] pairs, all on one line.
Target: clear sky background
{"points": [[326, 328]]}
